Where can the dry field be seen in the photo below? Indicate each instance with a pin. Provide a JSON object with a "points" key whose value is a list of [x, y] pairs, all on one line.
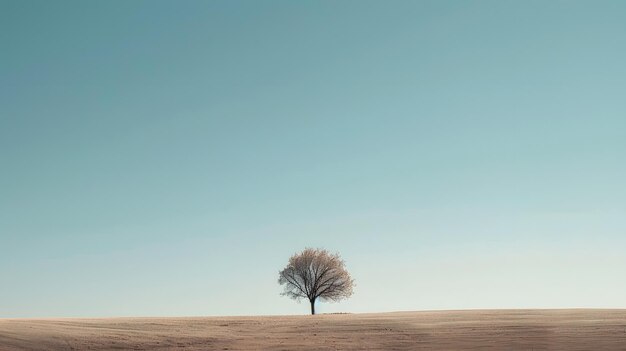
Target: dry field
{"points": [[445, 330]]}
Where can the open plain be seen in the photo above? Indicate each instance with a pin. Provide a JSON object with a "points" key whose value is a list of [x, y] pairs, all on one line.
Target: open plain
{"points": [[433, 330]]}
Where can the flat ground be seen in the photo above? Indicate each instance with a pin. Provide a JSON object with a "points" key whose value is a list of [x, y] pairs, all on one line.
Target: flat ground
{"points": [[444, 330]]}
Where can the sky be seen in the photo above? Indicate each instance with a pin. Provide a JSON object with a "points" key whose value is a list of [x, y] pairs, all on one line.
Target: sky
{"points": [[165, 158]]}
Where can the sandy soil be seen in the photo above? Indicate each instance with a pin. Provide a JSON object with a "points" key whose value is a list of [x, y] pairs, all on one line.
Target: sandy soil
{"points": [[447, 330]]}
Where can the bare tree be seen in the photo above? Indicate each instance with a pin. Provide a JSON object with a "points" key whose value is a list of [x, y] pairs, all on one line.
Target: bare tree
{"points": [[315, 273]]}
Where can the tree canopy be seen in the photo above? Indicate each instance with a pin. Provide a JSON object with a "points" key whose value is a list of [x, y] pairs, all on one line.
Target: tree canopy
{"points": [[316, 274]]}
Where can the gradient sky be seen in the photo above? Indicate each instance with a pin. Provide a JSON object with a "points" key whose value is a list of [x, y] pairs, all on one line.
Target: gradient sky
{"points": [[162, 158]]}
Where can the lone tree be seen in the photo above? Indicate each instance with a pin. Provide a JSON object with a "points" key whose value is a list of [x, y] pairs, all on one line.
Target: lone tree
{"points": [[315, 273]]}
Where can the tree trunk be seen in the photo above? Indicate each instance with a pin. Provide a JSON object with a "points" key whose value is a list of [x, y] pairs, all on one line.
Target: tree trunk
{"points": [[312, 307]]}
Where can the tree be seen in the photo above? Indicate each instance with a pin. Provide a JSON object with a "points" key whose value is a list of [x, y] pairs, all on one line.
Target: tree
{"points": [[315, 273]]}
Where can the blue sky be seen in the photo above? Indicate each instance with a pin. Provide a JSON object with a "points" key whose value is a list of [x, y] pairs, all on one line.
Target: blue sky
{"points": [[166, 158]]}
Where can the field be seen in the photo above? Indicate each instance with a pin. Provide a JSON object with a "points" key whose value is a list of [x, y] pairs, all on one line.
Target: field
{"points": [[440, 330]]}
